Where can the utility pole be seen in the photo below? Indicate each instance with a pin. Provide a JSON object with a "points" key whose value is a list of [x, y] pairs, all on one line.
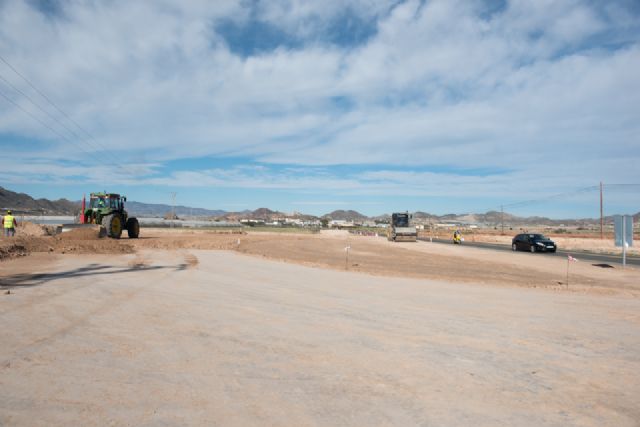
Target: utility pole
{"points": [[601, 215], [173, 206], [502, 218]]}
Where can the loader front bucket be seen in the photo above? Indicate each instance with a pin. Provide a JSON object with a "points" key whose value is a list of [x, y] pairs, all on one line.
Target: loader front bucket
{"points": [[83, 230]]}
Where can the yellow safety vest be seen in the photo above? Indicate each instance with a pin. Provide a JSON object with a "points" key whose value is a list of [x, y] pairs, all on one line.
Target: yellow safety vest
{"points": [[8, 221]]}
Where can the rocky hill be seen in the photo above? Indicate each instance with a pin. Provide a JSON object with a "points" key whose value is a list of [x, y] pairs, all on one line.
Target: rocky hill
{"points": [[160, 210], [341, 215], [260, 214], [264, 213], [23, 203], [424, 216]]}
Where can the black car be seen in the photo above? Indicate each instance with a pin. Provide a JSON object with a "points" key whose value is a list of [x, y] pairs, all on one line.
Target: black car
{"points": [[533, 243]]}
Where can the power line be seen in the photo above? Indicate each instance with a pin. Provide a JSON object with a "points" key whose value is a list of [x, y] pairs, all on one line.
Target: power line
{"points": [[44, 96], [55, 131], [42, 122], [71, 131], [542, 199], [173, 206], [96, 145], [40, 108], [552, 197]]}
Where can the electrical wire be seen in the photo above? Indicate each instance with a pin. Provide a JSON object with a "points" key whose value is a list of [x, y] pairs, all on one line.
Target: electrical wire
{"points": [[57, 133], [95, 145], [39, 92], [71, 131], [529, 202], [43, 123], [552, 197], [114, 160]]}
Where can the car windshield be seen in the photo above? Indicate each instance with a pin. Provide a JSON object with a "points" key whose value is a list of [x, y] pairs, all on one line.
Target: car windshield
{"points": [[538, 237]]}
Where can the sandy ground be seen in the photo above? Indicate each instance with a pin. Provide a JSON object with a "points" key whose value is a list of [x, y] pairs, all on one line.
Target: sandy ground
{"points": [[198, 328], [370, 255], [375, 255], [198, 337]]}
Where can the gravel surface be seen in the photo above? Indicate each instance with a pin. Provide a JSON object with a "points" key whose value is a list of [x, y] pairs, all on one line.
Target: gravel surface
{"points": [[199, 337]]}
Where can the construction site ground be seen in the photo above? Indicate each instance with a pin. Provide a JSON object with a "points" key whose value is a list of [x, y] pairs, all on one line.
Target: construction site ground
{"points": [[203, 328]]}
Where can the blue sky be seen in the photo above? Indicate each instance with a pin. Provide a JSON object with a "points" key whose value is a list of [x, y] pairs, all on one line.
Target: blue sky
{"points": [[441, 106]]}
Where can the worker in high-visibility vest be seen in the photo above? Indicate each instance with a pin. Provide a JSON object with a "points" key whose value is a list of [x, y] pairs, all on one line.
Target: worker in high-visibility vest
{"points": [[9, 224]]}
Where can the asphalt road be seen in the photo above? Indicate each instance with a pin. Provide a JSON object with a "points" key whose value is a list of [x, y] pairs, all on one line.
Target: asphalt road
{"points": [[581, 255]]}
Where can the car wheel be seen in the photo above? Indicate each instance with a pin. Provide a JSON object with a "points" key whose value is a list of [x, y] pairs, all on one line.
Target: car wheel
{"points": [[533, 249], [514, 247]]}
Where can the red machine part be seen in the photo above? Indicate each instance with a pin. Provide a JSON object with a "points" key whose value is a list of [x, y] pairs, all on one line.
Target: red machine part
{"points": [[84, 206]]}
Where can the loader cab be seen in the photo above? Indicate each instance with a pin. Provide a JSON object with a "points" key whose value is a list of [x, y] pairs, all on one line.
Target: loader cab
{"points": [[111, 202], [97, 202], [115, 203], [400, 219]]}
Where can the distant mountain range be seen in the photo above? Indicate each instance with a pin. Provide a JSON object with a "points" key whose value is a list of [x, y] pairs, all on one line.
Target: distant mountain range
{"points": [[341, 215], [20, 202], [23, 203], [159, 210]]}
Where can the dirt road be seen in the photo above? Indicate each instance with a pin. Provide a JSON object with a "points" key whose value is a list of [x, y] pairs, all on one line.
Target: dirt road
{"points": [[370, 255], [198, 337]]}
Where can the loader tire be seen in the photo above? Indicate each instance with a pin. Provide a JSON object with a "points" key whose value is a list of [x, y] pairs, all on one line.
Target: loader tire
{"points": [[113, 224], [133, 228]]}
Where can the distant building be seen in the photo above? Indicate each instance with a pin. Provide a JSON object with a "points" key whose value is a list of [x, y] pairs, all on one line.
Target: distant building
{"points": [[252, 222], [341, 223]]}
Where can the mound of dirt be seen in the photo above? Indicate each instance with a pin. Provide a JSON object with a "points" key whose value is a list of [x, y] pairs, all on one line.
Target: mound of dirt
{"points": [[23, 245], [85, 233], [11, 249], [32, 230]]}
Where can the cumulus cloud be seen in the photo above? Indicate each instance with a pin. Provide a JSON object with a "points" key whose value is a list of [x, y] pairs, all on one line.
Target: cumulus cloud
{"points": [[437, 86]]}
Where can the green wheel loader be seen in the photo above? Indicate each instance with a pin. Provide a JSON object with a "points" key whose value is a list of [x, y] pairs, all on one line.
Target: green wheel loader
{"points": [[106, 210]]}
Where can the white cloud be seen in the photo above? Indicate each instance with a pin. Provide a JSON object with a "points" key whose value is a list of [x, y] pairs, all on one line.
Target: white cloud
{"points": [[438, 85], [306, 19]]}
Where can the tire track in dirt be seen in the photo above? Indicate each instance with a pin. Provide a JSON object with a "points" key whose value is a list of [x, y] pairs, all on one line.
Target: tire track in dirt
{"points": [[62, 291], [191, 260], [78, 321]]}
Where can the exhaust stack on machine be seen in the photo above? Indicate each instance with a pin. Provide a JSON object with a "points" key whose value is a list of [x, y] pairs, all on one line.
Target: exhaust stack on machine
{"points": [[84, 207]]}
